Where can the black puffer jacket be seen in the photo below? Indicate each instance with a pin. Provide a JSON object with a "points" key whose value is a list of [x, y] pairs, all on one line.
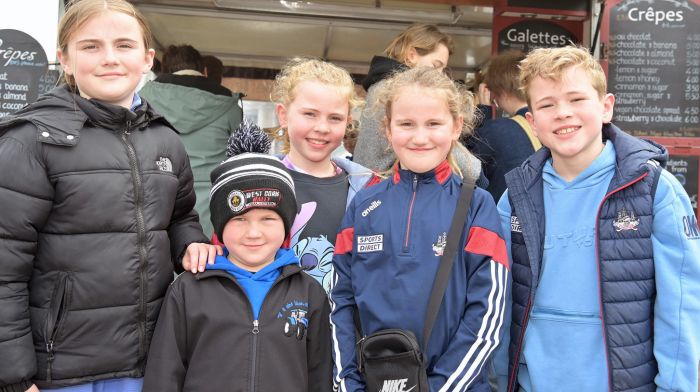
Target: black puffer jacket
{"points": [[97, 205]]}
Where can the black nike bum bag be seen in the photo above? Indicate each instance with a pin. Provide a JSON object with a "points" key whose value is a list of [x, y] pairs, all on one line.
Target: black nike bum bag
{"points": [[391, 360]]}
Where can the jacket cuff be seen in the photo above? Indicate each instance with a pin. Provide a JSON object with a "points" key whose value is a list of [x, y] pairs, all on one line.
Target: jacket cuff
{"points": [[19, 387]]}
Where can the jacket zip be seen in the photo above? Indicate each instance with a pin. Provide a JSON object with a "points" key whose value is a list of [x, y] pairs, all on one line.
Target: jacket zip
{"points": [[53, 331], [50, 351], [140, 225], [256, 325], [512, 380], [256, 331], [600, 285], [410, 213]]}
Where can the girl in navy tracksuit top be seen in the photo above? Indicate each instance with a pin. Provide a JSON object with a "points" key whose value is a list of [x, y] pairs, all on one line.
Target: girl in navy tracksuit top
{"points": [[393, 234]]}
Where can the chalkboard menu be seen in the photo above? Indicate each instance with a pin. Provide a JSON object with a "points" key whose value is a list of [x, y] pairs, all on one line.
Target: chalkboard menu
{"points": [[685, 168], [654, 67], [22, 64], [531, 34], [48, 81]]}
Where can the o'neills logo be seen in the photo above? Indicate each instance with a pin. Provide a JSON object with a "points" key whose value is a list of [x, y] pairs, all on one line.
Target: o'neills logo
{"points": [[371, 207], [239, 200]]}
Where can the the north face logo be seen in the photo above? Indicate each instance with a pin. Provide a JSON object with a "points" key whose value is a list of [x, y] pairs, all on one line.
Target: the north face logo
{"points": [[398, 385], [164, 164]]}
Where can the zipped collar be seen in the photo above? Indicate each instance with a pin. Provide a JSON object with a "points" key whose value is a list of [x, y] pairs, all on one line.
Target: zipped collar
{"points": [[441, 173]]}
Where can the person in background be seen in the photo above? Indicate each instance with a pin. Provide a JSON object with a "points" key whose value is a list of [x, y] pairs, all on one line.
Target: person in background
{"points": [[405, 219], [97, 214], [204, 113], [420, 45], [605, 246], [350, 138], [212, 68], [504, 143], [313, 101]]}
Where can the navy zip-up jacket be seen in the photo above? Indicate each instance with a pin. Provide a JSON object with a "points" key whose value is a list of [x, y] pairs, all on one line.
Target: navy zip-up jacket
{"points": [[386, 258]]}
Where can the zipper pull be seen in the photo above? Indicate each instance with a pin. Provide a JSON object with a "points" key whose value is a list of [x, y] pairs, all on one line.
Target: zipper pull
{"points": [[415, 182], [256, 327], [49, 359], [127, 129]]}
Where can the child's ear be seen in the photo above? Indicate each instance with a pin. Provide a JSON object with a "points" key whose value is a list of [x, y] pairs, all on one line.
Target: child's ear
{"points": [[531, 120], [411, 57], [387, 129], [150, 54], [458, 126], [65, 64], [608, 105], [281, 113]]}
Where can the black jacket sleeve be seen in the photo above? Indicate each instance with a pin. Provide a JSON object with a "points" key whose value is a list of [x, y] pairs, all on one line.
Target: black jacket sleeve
{"points": [[184, 225], [167, 358], [319, 361], [26, 197]]}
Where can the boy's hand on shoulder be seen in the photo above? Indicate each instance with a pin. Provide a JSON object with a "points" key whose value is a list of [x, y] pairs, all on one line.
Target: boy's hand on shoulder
{"points": [[33, 388], [198, 255]]}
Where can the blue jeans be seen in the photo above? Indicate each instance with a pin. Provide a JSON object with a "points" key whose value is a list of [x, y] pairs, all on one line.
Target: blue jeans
{"points": [[112, 385]]}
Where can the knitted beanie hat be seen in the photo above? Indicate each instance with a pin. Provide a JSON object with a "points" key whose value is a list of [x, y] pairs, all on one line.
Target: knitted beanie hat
{"points": [[247, 181]]}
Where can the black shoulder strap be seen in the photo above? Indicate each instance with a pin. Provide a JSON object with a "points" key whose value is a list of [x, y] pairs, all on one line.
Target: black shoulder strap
{"points": [[447, 259]]}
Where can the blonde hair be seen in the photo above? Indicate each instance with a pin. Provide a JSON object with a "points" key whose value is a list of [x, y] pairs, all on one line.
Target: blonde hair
{"points": [[78, 12], [299, 70], [459, 101], [424, 38], [551, 63]]}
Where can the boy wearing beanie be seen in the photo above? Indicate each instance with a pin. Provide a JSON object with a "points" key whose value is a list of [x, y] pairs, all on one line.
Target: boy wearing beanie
{"points": [[252, 321]]}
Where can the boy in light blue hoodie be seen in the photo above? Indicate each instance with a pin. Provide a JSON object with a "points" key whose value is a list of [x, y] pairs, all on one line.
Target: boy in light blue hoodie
{"points": [[605, 247]]}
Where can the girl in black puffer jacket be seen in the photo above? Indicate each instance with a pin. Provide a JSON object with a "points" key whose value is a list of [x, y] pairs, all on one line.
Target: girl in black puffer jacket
{"points": [[97, 209]]}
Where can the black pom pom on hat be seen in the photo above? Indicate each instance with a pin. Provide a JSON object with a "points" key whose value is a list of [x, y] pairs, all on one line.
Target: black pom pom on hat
{"points": [[248, 138]]}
